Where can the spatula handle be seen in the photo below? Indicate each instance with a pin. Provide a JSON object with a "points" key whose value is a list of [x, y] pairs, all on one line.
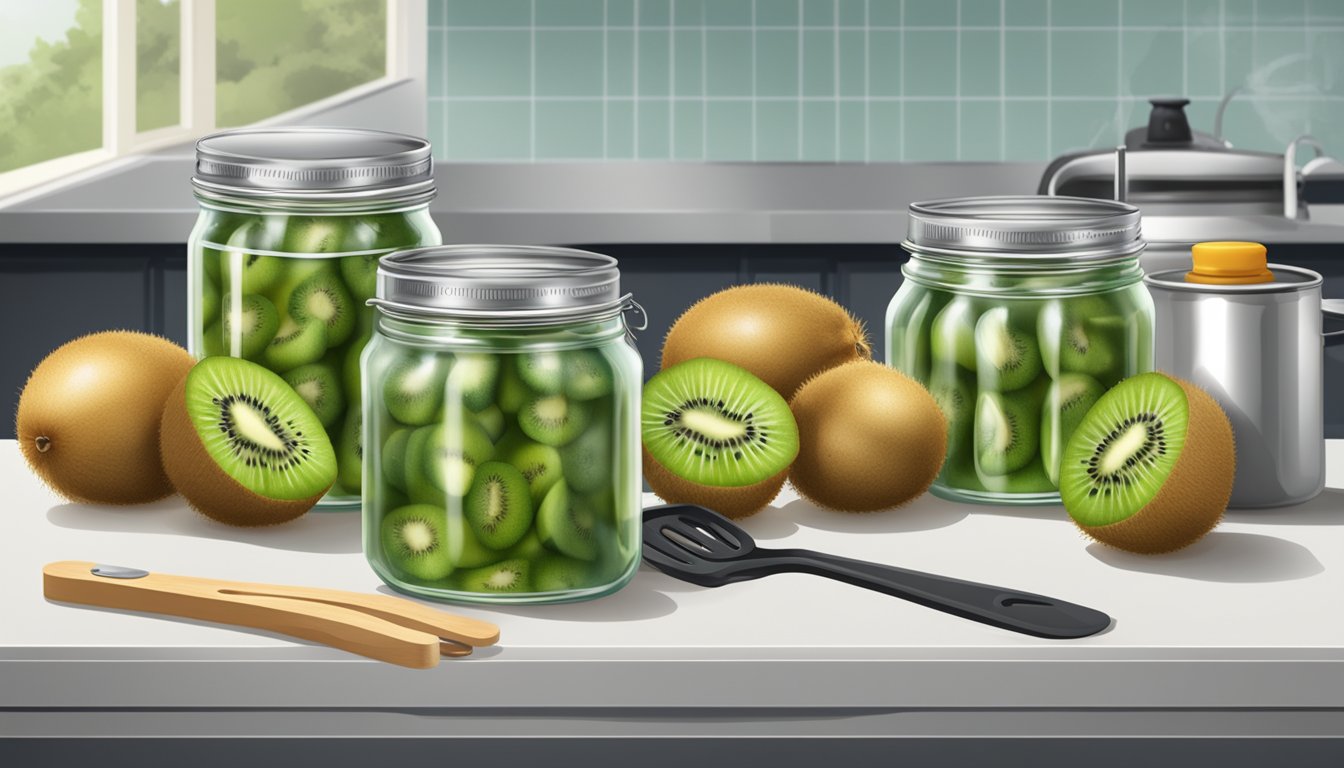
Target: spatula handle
{"points": [[1024, 612]]}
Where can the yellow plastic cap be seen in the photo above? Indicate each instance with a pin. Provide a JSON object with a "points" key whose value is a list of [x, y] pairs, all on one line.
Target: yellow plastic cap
{"points": [[1229, 263]]}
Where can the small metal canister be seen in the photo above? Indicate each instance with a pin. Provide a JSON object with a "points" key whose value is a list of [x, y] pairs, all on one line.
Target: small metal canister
{"points": [[1256, 347]]}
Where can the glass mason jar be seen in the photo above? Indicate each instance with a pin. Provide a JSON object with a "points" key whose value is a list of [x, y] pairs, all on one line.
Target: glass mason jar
{"points": [[1017, 313], [501, 408], [297, 219]]}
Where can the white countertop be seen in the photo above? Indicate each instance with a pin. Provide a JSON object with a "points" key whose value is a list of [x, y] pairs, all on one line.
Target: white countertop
{"points": [[1247, 617]]}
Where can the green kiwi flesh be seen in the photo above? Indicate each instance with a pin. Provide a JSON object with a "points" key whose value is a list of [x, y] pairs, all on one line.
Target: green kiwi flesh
{"points": [[1080, 335], [713, 423], [952, 336], [506, 577], [324, 298], [1006, 355], [394, 457], [542, 371], [1006, 428], [498, 507], [295, 344], [1122, 453], [1067, 401], [413, 539], [492, 420], [464, 549], [553, 419], [451, 453], [555, 573], [257, 430], [540, 466], [567, 523], [587, 459], [513, 393], [248, 323], [317, 384], [360, 274], [350, 451], [587, 375], [471, 380], [413, 389]]}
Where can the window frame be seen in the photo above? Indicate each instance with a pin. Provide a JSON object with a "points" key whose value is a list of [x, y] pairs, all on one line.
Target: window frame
{"points": [[406, 60]]}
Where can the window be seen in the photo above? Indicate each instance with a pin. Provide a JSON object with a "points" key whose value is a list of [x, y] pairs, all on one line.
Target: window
{"points": [[86, 81]]}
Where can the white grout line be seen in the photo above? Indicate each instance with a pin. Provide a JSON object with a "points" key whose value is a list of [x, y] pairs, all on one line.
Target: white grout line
{"points": [[532, 101], [634, 108], [1270, 97], [606, 86], [798, 155], [835, 74], [890, 28]]}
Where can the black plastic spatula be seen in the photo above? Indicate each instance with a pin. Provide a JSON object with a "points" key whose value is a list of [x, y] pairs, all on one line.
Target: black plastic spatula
{"points": [[703, 547]]}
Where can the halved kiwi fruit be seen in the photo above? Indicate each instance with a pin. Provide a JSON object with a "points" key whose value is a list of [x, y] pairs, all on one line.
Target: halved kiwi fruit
{"points": [[952, 336], [323, 297], [209, 311], [1151, 466], [1066, 402], [464, 549], [243, 447], [513, 393], [498, 508], [317, 384], [506, 577], [1080, 335], [1031, 479], [394, 458], [587, 375], [295, 344], [450, 454], [492, 420], [544, 372], [587, 460], [414, 541], [567, 523], [248, 324], [717, 436], [539, 464], [413, 388], [909, 350], [350, 451], [553, 419], [250, 272], [1007, 430], [360, 274], [1006, 356], [557, 573], [471, 380]]}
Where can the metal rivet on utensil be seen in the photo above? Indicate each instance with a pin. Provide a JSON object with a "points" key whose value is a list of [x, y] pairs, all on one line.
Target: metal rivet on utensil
{"points": [[117, 572]]}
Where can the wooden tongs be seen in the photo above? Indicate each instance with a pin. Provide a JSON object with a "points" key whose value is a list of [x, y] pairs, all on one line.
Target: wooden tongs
{"points": [[377, 626]]}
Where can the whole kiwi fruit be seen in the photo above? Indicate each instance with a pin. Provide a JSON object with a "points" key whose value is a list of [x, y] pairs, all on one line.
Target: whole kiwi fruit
{"points": [[1150, 467], [782, 334], [870, 438], [88, 418]]}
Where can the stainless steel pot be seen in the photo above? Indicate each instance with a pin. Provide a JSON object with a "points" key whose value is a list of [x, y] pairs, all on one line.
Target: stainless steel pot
{"points": [[1257, 349]]}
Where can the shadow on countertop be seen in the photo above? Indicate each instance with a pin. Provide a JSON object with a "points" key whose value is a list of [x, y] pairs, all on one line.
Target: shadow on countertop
{"points": [[1222, 556], [318, 532]]}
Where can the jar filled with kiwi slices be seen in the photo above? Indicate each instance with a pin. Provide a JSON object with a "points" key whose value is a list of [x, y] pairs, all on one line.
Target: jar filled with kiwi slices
{"points": [[501, 434], [1018, 313], [284, 255]]}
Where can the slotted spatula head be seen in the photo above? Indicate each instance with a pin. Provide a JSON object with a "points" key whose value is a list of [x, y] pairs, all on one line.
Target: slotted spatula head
{"points": [[695, 544]]}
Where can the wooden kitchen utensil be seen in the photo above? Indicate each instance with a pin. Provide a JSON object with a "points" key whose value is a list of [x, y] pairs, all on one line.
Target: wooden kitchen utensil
{"points": [[703, 547], [377, 626]]}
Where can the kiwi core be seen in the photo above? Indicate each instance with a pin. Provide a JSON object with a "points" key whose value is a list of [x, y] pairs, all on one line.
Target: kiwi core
{"points": [[712, 424], [253, 426], [417, 536]]}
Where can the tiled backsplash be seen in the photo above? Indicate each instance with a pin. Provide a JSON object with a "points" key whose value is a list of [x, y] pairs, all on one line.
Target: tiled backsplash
{"points": [[869, 80]]}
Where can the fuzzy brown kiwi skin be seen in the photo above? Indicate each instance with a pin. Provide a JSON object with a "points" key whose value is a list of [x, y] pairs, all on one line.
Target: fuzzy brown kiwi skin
{"points": [[736, 501], [1196, 493], [786, 320], [838, 414], [207, 488]]}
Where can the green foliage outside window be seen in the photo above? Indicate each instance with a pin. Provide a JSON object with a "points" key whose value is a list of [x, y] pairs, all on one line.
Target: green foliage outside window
{"points": [[271, 56], [52, 105]]}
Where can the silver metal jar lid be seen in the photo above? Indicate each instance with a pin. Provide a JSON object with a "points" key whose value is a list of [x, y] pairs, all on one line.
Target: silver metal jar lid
{"points": [[1030, 228], [500, 284], [317, 164]]}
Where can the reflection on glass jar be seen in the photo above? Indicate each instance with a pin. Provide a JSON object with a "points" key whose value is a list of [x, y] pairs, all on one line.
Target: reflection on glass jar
{"points": [[284, 256], [1018, 314], [501, 439]]}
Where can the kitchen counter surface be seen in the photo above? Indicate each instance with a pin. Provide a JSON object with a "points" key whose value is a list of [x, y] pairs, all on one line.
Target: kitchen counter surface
{"points": [[1246, 619], [148, 200]]}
